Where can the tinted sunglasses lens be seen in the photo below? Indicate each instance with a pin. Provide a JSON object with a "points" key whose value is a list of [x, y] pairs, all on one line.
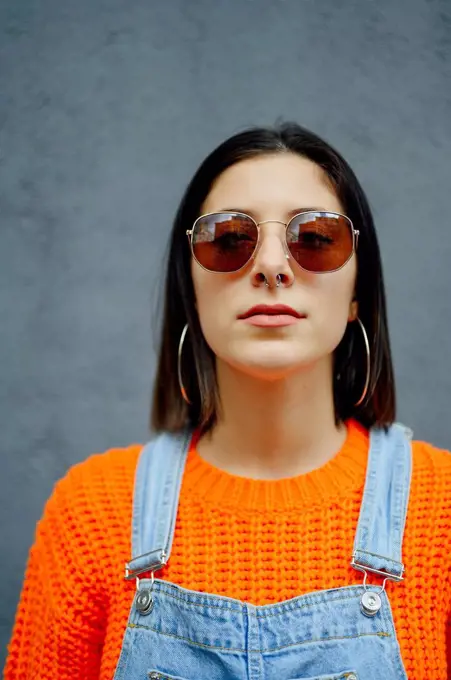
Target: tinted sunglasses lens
{"points": [[224, 242], [320, 241]]}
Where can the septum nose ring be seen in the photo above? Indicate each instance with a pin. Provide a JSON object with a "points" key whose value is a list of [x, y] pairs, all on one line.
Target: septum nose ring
{"points": [[278, 280]]}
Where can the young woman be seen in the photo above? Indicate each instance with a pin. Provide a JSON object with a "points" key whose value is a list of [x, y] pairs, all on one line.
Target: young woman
{"points": [[280, 525]]}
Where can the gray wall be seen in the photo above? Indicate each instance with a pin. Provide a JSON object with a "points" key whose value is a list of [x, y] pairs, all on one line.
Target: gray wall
{"points": [[106, 109]]}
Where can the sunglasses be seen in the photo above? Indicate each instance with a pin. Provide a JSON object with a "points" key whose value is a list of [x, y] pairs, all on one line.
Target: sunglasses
{"points": [[318, 241]]}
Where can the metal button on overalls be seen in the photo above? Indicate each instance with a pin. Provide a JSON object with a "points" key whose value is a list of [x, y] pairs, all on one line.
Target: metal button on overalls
{"points": [[370, 603], [144, 602]]}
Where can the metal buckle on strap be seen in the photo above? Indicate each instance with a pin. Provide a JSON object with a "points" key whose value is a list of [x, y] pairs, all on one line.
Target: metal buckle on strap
{"points": [[370, 601], [380, 572], [150, 562], [151, 565]]}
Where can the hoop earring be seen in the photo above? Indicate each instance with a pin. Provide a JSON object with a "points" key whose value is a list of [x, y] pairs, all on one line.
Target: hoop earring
{"points": [[368, 362], [179, 364]]}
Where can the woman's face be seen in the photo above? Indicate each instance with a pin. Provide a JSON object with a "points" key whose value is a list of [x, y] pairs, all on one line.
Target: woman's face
{"points": [[270, 188]]}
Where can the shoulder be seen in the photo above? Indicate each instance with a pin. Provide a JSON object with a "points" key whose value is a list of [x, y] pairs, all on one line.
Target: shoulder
{"points": [[85, 525], [430, 461], [431, 470], [430, 492], [94, 493], [113, 469]]}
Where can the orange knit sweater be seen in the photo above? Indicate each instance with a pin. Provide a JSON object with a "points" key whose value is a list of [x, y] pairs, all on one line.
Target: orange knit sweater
{"points": [[259, 541]]}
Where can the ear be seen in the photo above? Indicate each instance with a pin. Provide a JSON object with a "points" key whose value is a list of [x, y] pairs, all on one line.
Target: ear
{"points": [[353, 310]]}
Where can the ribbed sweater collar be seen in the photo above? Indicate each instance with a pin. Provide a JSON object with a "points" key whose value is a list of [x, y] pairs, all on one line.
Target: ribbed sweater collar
{"points": [[342, 474]]}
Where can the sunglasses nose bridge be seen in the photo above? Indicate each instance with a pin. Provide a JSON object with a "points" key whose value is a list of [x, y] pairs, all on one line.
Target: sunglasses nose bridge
{"points": [[284, 239], [266, 248], [284, 224]]}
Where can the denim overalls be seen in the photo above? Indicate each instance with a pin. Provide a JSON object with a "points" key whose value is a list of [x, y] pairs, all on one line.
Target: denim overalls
{"points": [[341, 633]]}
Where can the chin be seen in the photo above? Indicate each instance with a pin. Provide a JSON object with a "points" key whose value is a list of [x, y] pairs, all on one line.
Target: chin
{"points": [[268, 368]]}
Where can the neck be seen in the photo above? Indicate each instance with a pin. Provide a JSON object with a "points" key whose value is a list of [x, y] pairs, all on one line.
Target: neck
{"points": [[273, 429]]}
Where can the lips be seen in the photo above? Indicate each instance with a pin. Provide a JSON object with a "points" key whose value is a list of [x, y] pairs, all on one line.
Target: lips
{"points": [[271, 310]]}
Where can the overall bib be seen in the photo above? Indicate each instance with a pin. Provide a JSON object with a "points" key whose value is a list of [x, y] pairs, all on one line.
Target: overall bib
{"points": [[337, 634]]}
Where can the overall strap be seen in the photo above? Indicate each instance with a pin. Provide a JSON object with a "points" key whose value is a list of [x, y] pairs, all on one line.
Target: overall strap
{"points": [[380, 530], [158, 481]]}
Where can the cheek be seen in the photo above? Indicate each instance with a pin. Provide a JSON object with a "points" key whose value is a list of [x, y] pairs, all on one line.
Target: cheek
{"points": [[204, 289], [212, 304], [333, 306]]}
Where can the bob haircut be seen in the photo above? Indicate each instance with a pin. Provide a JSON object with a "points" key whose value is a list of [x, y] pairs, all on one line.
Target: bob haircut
{"points": [[169, 410]]}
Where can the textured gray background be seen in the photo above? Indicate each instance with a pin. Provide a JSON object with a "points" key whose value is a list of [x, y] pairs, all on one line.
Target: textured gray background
{"points": [[106, 109]]}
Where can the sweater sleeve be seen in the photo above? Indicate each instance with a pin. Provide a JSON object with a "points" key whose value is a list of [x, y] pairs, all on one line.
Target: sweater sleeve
{"points": [[58, 630], [448, 628]]}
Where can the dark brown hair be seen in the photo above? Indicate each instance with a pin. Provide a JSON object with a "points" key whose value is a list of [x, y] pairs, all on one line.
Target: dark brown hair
{"points": [[169, 411]]}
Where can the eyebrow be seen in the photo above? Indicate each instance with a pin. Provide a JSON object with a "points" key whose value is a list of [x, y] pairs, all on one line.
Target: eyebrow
{"points": [[290, 213]]}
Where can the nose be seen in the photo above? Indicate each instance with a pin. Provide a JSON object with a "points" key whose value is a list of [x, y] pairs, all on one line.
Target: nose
{"points": [[271, 261]]}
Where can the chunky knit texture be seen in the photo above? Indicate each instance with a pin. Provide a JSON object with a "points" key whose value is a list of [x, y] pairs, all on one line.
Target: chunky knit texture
{"points": [[259, 541]]}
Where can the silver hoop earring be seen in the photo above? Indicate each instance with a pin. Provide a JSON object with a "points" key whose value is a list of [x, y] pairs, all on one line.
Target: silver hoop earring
{"points": [[278, 280], [179, 364], [368, 363]]}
